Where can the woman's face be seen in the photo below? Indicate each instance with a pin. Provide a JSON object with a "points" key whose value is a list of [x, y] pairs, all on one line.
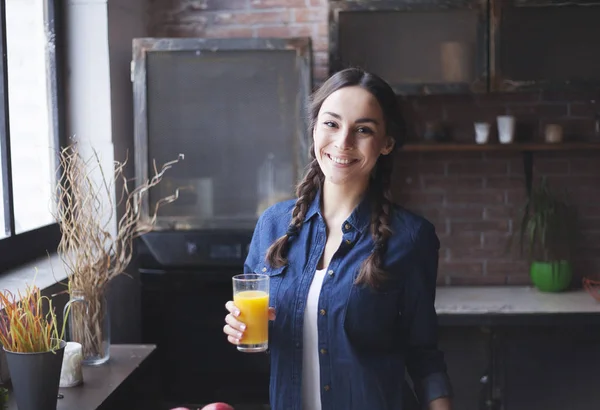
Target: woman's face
{"points": [[349, 135]]}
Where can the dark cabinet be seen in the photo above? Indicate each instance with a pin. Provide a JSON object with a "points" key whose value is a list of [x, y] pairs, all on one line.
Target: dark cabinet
{"points": [[523, 367], [551, 368], [467, 352], [420, 47], [541, 44], [469, 46]]}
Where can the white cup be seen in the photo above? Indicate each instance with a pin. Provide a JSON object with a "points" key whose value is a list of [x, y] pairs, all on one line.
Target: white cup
{"points": [[482, 132], [506, 128]]}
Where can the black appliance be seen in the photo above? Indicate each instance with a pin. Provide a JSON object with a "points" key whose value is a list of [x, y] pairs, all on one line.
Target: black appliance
{"points": [[186, 280], [236, 109]]}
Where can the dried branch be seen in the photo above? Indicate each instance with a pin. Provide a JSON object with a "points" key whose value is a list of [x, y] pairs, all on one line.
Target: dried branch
{"points": [[89, 251], [91, 254]]}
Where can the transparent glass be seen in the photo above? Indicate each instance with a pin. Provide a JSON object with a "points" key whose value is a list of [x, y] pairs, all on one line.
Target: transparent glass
{"points": [[412, 47], [240, 141], [251, 296], [549, 43], [31, 92], [88, 323]]}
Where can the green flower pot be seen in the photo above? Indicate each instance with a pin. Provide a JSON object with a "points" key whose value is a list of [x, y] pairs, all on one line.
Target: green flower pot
{"points": [[551, 277]]}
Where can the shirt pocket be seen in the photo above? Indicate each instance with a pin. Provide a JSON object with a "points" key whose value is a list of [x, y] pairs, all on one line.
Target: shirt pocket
{"points": [[275, 278], [372, 319]]}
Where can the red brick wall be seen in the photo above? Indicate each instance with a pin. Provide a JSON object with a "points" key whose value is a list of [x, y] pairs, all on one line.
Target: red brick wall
{"points": [[474, 199], [245, 18], [471, 197]]}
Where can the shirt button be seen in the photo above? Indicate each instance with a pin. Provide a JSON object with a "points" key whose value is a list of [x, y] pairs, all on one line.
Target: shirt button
{"points": [[264, 269], [347, 227], [322, 312], [326, 387], [323, 351], [330, 273], [348, 242]]}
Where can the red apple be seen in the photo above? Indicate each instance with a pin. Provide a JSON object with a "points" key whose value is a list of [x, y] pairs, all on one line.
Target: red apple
{"points": [[218, 406]]}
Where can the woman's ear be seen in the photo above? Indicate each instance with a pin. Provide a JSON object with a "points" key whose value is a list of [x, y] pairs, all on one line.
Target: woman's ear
{"points": [[389, 146]]}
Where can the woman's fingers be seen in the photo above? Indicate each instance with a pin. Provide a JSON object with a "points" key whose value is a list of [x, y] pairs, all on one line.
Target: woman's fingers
{"points": [[234, 329], [233, 340], [232, 308], [234, 323]]}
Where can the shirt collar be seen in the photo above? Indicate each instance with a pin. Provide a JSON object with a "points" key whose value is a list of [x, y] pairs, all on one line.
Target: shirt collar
{"points": [[359, 219]]}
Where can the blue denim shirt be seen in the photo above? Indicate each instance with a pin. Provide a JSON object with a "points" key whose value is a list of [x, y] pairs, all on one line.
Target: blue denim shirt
{"points": [[366, 338]]}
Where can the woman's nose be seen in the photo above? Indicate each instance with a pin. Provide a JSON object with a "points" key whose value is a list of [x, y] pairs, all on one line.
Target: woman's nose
{"points": [[345, 139]]}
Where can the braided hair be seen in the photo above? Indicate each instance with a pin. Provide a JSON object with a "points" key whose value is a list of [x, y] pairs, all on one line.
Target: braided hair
{"points": [[371, 271]]}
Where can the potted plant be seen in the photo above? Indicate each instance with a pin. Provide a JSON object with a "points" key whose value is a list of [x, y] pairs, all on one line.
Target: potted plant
{"points": [[547, 235], [34, 348]]}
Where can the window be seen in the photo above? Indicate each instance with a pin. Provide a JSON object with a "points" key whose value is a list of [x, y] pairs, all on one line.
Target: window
{"points": [[30, 126]]}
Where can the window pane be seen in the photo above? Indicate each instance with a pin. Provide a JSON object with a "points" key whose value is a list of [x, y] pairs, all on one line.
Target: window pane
{"points": [[29, 47]]}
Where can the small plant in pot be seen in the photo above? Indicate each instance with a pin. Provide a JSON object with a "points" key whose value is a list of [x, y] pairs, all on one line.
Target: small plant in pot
{"points": [[547, 235], [34, 347]]}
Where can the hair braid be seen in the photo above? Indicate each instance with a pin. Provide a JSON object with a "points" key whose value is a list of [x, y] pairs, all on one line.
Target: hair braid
{"points": [[306, 192], [372, 271]]}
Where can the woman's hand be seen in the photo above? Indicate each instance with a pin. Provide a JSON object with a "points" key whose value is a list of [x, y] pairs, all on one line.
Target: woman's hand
{"points": [[443, 403], [234, 329]]}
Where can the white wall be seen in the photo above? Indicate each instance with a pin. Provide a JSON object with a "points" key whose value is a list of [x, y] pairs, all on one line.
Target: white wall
{"points": [[100, 112]]}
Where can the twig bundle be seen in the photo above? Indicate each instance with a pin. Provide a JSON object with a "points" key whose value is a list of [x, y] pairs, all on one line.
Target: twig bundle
{"points": [[91, 254]]}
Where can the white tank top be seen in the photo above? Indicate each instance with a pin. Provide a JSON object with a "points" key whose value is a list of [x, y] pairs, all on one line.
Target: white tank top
{"points": [[311, 380]]}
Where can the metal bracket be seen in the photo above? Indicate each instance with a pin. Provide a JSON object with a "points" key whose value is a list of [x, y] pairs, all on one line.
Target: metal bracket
{"points": [[528, 170]]}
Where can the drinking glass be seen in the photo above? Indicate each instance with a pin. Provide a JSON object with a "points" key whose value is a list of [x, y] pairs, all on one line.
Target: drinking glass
{"points": [[251, 297]]}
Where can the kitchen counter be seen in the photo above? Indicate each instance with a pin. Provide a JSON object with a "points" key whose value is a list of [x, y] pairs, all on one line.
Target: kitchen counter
{"points": [[518, 305], [121, 383]]}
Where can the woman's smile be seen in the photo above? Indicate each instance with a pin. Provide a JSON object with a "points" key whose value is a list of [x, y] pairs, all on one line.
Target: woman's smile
{"points": [[341, 161]]}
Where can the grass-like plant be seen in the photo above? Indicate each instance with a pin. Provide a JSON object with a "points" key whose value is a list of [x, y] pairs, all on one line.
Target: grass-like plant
{"points": [[547, 230], [24, 327]]}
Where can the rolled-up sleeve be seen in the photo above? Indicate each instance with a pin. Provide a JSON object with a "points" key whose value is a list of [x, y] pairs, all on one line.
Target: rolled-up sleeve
{"points": [[424, 361]]}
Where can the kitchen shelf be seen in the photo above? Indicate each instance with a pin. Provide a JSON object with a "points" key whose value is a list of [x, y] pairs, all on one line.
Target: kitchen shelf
{"points": [[517, 147]]}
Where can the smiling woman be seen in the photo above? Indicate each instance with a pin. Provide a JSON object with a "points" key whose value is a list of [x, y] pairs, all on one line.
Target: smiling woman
{"points": [[29, 129], [352, 273]]}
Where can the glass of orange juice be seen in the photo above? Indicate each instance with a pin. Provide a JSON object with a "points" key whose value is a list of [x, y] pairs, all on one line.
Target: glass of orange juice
{"points": [[251, 296]]}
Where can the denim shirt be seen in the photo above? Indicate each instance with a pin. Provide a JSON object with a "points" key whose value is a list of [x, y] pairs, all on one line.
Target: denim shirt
{"points": [[366, 338]]}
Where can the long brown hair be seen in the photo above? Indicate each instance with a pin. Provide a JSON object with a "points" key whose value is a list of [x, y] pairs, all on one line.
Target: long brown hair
{"points": [[371, 271]]}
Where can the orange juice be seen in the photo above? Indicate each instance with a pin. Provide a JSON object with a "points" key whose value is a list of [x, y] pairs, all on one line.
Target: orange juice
{"points": [[254, 313]]}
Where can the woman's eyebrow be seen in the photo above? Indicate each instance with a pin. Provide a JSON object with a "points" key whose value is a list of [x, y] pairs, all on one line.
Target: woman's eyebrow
{"points": [[360, 120]]}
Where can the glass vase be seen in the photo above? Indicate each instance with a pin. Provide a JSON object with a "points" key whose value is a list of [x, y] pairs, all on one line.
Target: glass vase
{"points": [[88, 323]]}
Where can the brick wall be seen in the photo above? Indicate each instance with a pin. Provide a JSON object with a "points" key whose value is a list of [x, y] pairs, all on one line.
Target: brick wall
{"points": [[474, 198], [471, 197]]}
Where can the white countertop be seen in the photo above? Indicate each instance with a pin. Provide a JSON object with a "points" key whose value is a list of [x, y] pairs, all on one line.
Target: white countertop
{"points": [[511, 300]]}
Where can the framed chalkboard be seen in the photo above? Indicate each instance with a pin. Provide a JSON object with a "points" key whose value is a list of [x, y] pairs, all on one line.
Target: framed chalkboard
{"points": [[236, 109]]}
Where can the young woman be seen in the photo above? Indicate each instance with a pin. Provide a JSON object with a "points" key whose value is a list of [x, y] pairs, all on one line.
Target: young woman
{"points": [[352, 276]]}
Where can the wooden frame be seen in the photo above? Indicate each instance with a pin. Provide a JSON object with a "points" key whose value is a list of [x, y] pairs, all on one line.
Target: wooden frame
{"points": [[144, 46]]}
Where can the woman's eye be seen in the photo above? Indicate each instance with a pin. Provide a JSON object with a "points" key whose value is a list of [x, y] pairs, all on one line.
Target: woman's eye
{"points": [[365, 130], [330, 124]]}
